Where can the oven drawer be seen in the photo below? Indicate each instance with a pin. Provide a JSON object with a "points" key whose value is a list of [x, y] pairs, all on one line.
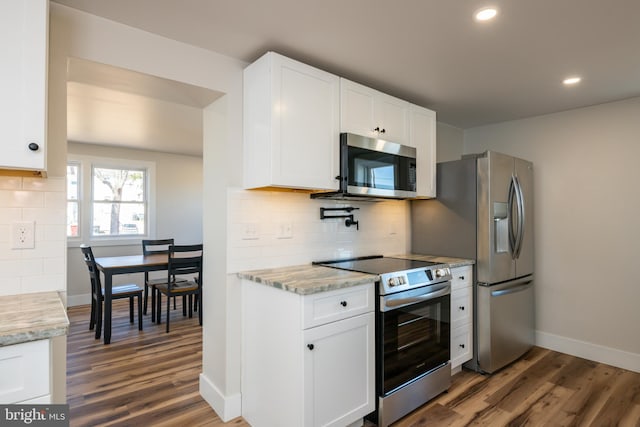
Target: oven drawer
{"points": [[461, 277], [325, 307]]}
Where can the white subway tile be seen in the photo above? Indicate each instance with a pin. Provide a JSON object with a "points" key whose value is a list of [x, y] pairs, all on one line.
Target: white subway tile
{"points": [[43, 283], [31, 267], [21, 199], [55, 265], [46, 215], [44, 184], [9, 215], [9, 269], [53, 232], [10, 183], [10, 286], [55, 200]]}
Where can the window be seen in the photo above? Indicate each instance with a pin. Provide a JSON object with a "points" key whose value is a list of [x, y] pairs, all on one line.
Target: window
{"points": [[119, 201], [108, 200]]}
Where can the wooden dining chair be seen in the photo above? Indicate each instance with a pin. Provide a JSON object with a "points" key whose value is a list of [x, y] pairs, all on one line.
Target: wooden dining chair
{"points": [[151, 247], [184, 260], [130, 291]]}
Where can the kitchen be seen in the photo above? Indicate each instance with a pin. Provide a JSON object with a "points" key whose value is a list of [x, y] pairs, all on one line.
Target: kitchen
{"points": [[584, 160]]}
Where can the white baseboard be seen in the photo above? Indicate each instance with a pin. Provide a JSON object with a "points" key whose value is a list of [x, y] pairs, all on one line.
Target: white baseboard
{"points": [[590, 351], [227, 407], [82, 299]]}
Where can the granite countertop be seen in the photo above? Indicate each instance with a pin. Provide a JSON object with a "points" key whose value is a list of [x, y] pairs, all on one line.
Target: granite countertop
{"points": [[308, 279], [31, 317], [453, 262]]}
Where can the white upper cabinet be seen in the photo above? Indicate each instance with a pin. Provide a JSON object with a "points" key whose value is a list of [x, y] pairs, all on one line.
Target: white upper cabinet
{"points": [[423, 138], [23, 83], [291, 125], [368, 112]]}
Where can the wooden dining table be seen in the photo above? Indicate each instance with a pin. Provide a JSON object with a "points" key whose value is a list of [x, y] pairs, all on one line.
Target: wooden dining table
{"points": [[110, 266]]}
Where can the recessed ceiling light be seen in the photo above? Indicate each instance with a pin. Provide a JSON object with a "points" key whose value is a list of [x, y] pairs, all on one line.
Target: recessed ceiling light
{"points": [[486, 13], [570, 81]]}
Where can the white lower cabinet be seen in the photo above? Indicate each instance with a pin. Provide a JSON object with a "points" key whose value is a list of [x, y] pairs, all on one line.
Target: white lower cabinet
{"points": [[461, 315], [338, 378], [297, 372], [25, 373]]}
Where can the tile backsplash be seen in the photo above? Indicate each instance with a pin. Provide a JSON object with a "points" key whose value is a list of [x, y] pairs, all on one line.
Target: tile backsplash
{"points": [[41, 268], [275, 229]]}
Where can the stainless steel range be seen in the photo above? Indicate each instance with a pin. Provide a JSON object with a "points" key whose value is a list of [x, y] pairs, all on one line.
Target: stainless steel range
{"points": [[412, 332]]}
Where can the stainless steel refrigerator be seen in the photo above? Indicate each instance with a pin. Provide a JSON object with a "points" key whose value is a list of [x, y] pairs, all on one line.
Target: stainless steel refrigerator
{"points": [[484, 211]]}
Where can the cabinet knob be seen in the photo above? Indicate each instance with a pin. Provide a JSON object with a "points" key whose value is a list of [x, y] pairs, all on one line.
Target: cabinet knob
{"points": [[383, 130], [377, 129], [33, 146], [343, 303], [461, 345], [461, 307], [310, 346], [461, 277]]}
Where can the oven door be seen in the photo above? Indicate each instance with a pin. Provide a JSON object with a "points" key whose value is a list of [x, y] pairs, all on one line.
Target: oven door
{"points": [[413, 335]]}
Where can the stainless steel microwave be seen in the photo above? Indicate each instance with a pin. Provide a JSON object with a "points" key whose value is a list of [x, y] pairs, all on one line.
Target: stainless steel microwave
{"points": [[374, 168]]}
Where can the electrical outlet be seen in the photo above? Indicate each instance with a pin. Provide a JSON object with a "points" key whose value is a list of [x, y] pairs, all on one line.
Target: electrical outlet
{"points": [[285, 230], [251, 231], [23, 235]]}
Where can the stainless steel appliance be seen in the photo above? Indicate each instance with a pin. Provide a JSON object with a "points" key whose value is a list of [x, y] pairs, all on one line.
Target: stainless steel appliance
{"points": [[484, 211], [412, 332], [374, 168]]}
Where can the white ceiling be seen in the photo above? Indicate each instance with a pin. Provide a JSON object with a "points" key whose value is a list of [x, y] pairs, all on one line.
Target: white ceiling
{"points": [[111, 106], [430, 52]]}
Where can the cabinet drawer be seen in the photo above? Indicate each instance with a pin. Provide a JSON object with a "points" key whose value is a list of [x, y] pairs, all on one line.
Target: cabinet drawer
{"points": [[461, 307], [330, 306], [462, 277], [461, 345]]}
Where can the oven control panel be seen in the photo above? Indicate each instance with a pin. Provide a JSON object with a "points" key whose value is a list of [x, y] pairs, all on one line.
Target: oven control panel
{"points": [[402, 280]]}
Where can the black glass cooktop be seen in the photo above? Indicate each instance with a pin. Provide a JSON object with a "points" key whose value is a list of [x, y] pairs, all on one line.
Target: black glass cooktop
{"points": [[377, 264]]}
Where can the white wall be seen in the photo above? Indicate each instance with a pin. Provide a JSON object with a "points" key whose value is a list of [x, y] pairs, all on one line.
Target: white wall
{"points": [[450, 143], [587, 237], [80, 35], [178, 211]]}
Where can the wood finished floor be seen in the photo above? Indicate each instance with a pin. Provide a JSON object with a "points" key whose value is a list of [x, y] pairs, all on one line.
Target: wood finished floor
{"points": [[150, 378]]}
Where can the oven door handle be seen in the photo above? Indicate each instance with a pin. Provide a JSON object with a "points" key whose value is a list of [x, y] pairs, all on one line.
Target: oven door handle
{"points": [[390, 303]]}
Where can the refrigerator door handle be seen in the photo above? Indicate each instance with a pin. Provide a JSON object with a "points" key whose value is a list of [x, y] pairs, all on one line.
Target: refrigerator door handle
{"points": [[512, 290], [510, 223], [521, 218]]}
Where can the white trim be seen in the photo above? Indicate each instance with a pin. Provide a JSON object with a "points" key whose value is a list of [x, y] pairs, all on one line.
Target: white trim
{"points": [[75, 300], [227, 407], [598, 353], [86, 163]]}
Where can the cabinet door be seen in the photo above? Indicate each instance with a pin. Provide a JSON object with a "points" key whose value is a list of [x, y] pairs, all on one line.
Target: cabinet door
{"points": [[291, 124], [392, 115], [23, 41], [305, 126], [339, 371], [357, 109], [423, 138], [368, 112], [24, 369]]}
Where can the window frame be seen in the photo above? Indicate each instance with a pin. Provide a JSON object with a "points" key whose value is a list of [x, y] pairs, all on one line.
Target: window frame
{"points": [[85, 203]]}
